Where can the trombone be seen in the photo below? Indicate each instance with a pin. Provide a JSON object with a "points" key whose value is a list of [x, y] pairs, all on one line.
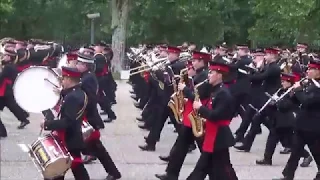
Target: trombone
{"points": [[149, 66]]}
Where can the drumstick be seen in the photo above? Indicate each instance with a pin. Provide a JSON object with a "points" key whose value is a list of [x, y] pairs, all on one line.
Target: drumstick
{"points": [[40, 131], [46, 79]]}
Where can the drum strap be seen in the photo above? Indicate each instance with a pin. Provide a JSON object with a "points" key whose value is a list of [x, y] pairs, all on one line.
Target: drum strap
{"points": [[80, 113]]}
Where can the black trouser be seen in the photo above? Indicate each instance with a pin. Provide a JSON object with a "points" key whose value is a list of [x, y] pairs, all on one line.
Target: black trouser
{"points": [[105, 104], [285, 135], [3, 131], [180, 150], [162, 113], [256, 128], [302, 138], [97, 149], [79, 171], [245, 123], [217, 165], [110, 87], [16, 110]]}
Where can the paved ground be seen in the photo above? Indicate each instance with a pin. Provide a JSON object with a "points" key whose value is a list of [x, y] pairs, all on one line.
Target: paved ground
{"points": [[122, 139]]}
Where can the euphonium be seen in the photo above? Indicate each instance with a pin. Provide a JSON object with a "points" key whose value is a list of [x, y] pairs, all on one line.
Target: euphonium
{"points": [[177, 102], [195, 119]]}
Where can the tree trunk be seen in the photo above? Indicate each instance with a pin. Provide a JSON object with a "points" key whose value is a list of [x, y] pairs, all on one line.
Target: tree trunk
{"points": [[120, 10]]}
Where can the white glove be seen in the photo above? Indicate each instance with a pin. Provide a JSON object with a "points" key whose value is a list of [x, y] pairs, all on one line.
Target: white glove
{"points": [[155, 68]]}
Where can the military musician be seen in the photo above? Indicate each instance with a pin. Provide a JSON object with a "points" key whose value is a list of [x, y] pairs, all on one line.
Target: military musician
{"points": [[89, 83], [164, 91], [283, 125], [186, 137], [215, 158], [307, 124], [68, 126], [270, 77], [101, 71], [7, 78]]}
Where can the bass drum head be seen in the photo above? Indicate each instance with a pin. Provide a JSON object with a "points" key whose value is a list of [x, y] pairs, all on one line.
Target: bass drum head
{"points": [[33, 92]]}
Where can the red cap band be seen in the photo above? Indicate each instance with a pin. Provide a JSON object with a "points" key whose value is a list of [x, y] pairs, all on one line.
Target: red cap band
{"points": [[219, 68], [201, 56], [70, 73], [314, 66], [272, 51]]}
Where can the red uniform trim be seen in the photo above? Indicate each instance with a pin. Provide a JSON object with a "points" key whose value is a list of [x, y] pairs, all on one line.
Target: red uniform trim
{"points": [[3, 86], [23, 67], [211, 132]]}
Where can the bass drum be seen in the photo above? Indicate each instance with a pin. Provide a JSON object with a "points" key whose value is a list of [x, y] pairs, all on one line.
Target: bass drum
{"points": [[33, 89]]}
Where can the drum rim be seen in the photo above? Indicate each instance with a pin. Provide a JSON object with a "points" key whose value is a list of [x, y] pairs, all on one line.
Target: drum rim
{"points": [[31, 67]]}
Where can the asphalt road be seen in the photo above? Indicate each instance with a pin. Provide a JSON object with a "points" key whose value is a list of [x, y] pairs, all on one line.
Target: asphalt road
{"points": [[122, 138]]}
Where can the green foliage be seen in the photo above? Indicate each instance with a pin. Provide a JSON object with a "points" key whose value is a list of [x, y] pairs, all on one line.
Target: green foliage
{"points": [[260, 22]]}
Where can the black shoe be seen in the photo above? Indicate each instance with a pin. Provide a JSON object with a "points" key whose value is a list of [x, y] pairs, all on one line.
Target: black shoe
{"points": [[109, 177], [164, 158], [166, 177], [138, 105], [23, 124], [139, 119], [88, 159], [306, 161], [3, 135], [242, 147], [161, 176], [109, 120], [103, 113], [113, 102], [264, 162], [285, 151], [238, 138], [142, 126], [148, 147]]}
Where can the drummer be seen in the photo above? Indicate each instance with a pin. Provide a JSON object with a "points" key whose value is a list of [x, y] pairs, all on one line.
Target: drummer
{"points": [[68, 126], [7, 77], [89, 84]]}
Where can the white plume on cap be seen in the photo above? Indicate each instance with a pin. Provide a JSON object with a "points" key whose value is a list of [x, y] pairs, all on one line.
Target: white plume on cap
{"points": [[204, 50]]}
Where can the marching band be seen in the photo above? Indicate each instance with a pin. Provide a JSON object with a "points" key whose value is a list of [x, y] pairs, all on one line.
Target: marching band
{"points": [[273, 87], [199, 91]]}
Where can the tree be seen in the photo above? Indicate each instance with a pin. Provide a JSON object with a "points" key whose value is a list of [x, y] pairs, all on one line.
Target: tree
{"points": [[120, 10]]}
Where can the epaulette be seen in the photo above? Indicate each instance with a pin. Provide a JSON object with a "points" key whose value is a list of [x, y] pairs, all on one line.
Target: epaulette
{"points": [[42, 47], [98, 54]]}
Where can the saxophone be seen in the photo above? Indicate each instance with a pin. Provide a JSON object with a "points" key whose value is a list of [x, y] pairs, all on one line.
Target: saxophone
{"points": [[197, 122], [176, 102]]}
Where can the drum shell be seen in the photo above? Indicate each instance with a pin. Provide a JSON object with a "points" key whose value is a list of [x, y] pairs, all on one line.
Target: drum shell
{"points": [[51, 156], [87, 130]]}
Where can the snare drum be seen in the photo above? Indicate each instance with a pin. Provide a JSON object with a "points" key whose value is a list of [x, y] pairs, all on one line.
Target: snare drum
{"points": [[50, 156], [87, 130]]}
